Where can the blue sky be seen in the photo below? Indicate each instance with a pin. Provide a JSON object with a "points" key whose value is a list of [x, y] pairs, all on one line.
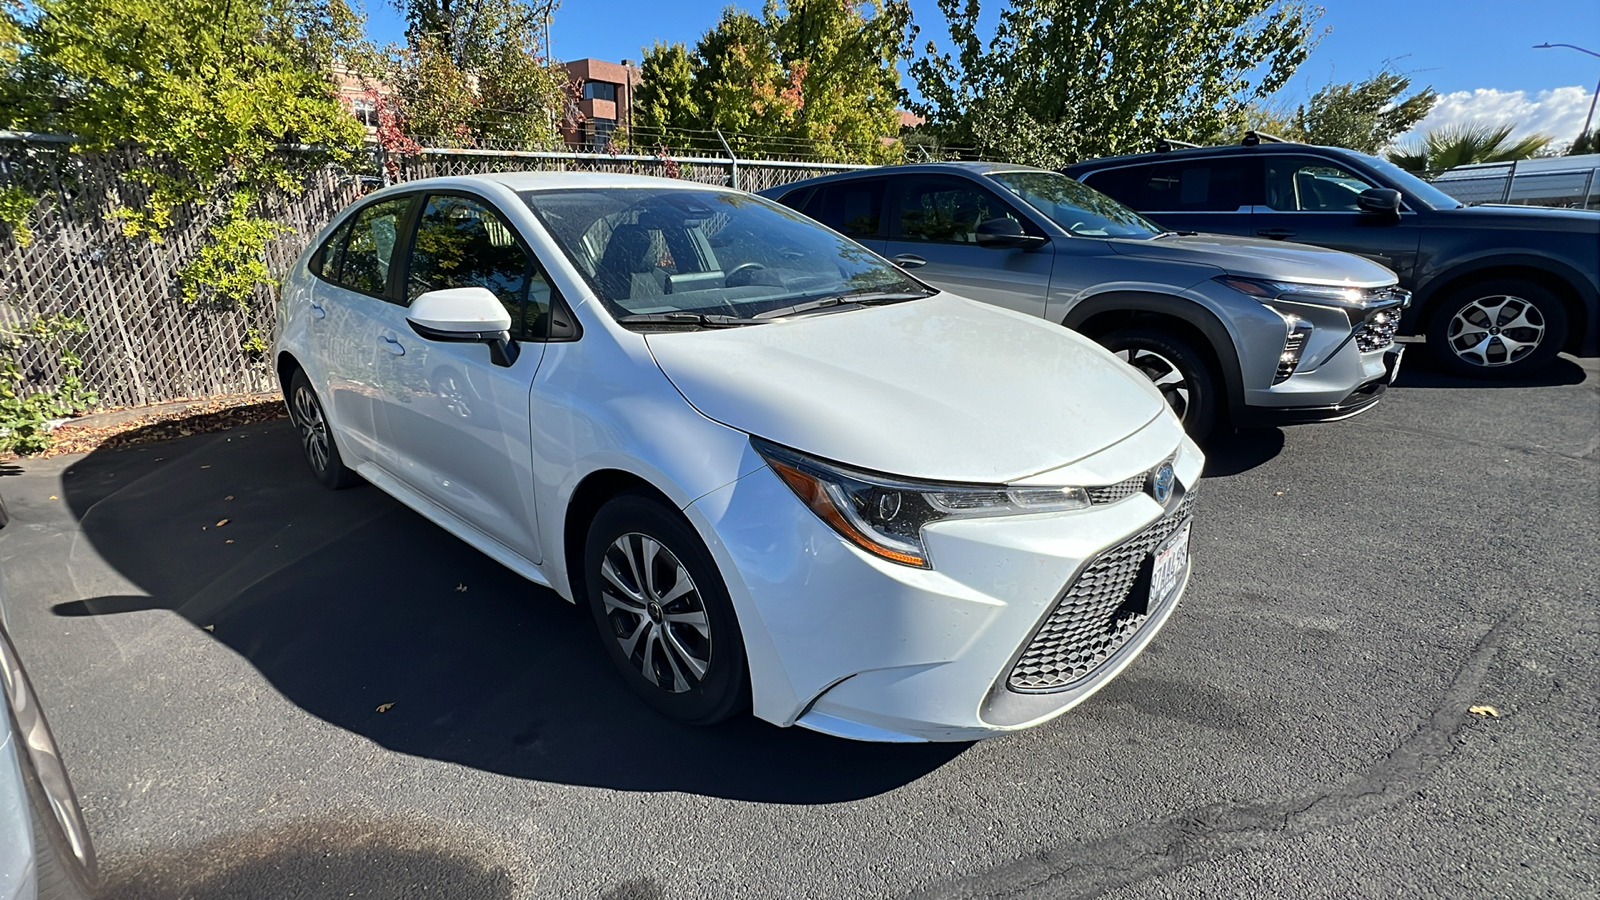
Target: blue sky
{"points": [[1478, 53]]}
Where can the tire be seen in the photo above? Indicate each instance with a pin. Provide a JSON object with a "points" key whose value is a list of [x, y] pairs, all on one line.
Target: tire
{"points": [[684, 657], [316, 438], [1178, 369], [1497, 328], [63, 853]]}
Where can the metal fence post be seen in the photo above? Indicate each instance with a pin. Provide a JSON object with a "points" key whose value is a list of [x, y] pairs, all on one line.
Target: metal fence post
{"points": [[1505, 195], [733, 161]]}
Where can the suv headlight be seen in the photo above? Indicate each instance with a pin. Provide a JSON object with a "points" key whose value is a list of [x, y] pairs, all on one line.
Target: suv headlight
{"points": [[884, 515], [1322, 294]]}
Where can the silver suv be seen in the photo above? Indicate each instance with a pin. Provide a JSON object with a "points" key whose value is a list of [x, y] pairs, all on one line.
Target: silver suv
{"points": [[1234, 330]]}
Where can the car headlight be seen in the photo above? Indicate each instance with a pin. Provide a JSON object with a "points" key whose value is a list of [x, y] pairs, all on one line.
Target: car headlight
{"points": [[884, 515], [1323, 294]]}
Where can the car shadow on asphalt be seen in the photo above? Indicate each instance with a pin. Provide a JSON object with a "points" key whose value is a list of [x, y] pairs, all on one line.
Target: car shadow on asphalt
{"points": [[1421, 369], [372, 618]]}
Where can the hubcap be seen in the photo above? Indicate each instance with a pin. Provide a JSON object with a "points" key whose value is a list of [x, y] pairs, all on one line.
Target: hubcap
{"points": [[1496, 331], [1164, 373], [655, 612], [313, 429]]}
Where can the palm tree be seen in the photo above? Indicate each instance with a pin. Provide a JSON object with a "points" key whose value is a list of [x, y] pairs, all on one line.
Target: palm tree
{"points": [[1460, 145]]}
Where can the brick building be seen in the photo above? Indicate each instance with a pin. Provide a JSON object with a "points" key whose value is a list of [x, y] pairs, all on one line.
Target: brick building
{"points": [[604, 98]]}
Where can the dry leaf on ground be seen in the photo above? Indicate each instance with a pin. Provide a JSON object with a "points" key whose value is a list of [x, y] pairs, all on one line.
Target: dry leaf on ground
{"points": [[1488, 711], [385, 707]]}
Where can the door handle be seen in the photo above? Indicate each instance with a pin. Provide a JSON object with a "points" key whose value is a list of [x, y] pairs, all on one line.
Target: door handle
{"points": [[909, 261], [1276, 234], [392, 345], [317, 312]]}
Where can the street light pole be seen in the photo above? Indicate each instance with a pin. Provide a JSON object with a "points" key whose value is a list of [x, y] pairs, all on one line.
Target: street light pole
{"points": [[1589, 119]]}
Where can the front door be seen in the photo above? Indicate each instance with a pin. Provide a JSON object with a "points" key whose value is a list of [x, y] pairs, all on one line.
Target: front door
{"points": [[933, 235], [455, 424], [1312, 200]]}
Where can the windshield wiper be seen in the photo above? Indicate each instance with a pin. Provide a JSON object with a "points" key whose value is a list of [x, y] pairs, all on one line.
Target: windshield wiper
{"points": [[688, 320], [865, 298]]}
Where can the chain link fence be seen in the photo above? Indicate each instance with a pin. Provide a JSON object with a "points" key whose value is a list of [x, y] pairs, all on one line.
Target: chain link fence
{"points": [[68, 255]]}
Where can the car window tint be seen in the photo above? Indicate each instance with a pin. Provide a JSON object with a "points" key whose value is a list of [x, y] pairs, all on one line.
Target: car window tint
{"points": [[331, 254], [1312, 184], [1125, 184], [948, 210], [1199, 185], [854, 208], [461, 242], [371, 245]]}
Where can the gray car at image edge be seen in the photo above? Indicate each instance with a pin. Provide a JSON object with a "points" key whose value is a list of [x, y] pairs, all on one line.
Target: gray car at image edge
{"points": [[1234, 330]]}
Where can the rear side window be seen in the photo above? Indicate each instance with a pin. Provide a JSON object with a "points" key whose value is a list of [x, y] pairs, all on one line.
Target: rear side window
{"points": [[853, 208], [1125, 184], [358, 253], [1197, 185], [464, 242]]}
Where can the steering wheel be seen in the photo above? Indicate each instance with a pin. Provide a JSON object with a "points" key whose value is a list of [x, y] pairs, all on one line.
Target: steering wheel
{"points": [[742, 267]]}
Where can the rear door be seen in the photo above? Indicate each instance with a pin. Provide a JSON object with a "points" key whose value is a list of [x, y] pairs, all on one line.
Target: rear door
{"points": [[933, 234], [1208, 194], [1311, 199], [853, 208]]}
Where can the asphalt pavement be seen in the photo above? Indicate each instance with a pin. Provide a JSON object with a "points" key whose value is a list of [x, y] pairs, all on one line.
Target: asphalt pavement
{"points": [[264, 689]]}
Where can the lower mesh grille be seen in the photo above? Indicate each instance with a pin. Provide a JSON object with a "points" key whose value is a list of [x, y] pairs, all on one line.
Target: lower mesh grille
{"points": [[1122, 490], [1377, 332], [1096, 615]]}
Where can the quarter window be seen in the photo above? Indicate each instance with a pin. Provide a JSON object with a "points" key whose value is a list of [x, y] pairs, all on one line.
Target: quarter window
{"points": [[948, 210], [461, 242], [1312, 184]]}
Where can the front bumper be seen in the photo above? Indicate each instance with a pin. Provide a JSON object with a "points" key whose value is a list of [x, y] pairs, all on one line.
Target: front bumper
{"points": [[851, 645], [1356, 402]]}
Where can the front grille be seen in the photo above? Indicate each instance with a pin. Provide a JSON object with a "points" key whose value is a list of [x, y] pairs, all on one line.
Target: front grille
{"points": [[1377, 330], [1122, 490], [1100, 611]]}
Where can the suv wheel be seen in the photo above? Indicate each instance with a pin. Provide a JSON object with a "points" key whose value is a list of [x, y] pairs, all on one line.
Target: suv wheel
{"points": [[1178, 369], [663, 612], [1501, 327]]}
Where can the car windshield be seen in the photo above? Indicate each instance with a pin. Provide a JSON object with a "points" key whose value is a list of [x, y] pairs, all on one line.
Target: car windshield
{"points": [[1078, 208], [1431, 197], [669, 251]]}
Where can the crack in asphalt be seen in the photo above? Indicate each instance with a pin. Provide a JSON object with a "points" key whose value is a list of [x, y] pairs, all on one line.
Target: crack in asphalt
{"points": [[1141, 852]]}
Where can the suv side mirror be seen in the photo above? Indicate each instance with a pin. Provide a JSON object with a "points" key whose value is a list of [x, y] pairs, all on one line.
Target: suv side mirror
{"points": [[998, 234], [1379, 200], [466, 315]]}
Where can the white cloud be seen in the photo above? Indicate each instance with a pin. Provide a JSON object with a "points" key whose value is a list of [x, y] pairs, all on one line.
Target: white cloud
{"points": [[1558, 112]]}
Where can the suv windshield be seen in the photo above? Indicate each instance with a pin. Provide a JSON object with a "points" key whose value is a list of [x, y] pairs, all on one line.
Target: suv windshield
{"points": [[650, 251], [1416, 187], [1079, 209]]}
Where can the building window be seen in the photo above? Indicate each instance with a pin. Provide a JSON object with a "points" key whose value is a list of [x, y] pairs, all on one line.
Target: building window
{"points": [[599, 90], [365, 110], [598, 135]]}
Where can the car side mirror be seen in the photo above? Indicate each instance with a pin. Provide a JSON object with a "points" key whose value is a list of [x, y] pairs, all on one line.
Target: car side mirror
{"points": [[1379, 200], [466, 315], [1001, 233]]}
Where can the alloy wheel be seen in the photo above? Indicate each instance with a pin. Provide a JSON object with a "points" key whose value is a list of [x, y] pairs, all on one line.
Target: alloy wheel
{"points": [[656, 613], [1167, 376], [1495, 331], [313, 427]]}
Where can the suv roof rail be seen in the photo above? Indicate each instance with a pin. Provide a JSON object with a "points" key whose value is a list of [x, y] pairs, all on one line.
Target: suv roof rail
{"points": [[1166, 145], [1252, 138]]}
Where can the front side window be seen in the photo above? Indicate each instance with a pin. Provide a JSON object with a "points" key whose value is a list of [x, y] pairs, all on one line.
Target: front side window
{"points": [[1197, 185], [1079, 209], [331, 255], [948, 210], [463, 242], [854, 208], [370, 246], [650, 250], [1312, 184]]}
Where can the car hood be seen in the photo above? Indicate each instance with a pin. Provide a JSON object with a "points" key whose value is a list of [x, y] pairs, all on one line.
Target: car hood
{"points": [[1523, 218], [942, 388], [1255, 258]]}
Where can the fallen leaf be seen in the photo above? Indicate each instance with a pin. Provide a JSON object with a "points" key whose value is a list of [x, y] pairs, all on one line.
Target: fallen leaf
{"points": [[461, 589], [228, 541], [211, 628], [52, 496], [205, 467], [1280, 493], [385, 707], [1489, 711], [229, 497], [223, 522]]}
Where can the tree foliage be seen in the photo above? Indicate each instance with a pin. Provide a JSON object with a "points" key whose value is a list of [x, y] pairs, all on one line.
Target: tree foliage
{"points": [[1062, 80], [806, 78], [1461, 145], [210, 95], [1365, 116]]}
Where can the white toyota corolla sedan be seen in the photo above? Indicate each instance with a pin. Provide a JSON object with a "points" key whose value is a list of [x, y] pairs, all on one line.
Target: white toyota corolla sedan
{"points": [[784, 475]]}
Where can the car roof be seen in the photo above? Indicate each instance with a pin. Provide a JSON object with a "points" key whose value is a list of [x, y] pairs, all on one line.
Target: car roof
{"points": [[924, 168], [1264, 148], [534, 181]]}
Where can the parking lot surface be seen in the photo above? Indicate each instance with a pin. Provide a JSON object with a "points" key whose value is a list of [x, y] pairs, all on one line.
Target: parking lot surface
{"points": [[267, 690]]}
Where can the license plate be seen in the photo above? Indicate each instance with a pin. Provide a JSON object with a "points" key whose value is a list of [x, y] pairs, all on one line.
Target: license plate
{"points": [[1172, 560]]}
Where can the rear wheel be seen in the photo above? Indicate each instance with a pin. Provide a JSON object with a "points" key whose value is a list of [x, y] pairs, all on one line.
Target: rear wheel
{"points": [[1177, 368], [316, 438], [663, 612], [1503, 327]]}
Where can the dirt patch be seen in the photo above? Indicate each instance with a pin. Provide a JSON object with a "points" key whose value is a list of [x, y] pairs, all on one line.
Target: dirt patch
{"points": [[127, 427]]}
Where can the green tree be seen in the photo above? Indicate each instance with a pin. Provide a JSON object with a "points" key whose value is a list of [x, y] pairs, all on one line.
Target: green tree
{"points": [[1061, 80], [664, 108], [1365, 116], [1461, 145]]}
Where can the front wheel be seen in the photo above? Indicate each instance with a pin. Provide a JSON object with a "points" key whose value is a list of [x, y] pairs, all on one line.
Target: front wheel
{"points": [[663, 612], [1503, 327], [1177, 368], [316, 438]]}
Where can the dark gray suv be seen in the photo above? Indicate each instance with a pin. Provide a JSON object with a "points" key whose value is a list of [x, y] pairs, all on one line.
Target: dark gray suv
{"points": [[1499, 290], [1232, 329]]}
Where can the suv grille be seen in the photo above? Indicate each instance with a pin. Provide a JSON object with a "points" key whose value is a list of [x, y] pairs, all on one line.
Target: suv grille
{"points": [[1377, 332], [1096, 615]]}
